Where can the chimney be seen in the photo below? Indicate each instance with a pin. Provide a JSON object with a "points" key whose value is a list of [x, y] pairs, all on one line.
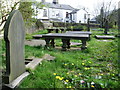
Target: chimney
{"points": [[43, 1], [55, 1]]}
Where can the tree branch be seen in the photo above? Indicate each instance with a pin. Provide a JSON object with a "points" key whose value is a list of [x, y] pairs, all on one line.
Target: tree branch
{"points": [[4, 16]]}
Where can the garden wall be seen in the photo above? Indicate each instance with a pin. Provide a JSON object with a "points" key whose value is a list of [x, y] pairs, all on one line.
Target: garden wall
{"points": [[34, 27], [40, 26], [62, 24]]}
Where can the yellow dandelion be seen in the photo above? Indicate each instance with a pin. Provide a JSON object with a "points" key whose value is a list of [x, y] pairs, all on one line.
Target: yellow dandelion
{"points": [[67, 73], [101, 74], [61, 78], [88, 68], [67, 80], [89, 62], [83, 63], [75, 75], [92, 86], [72, 63], [80, 74], [113, 74], [85, 68], [65, 64], [70, 87], [57, 77], [54, 74]]}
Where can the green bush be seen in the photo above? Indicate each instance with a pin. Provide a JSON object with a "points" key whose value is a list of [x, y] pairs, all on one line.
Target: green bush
{"points": [[39, 24], [78, 27]]}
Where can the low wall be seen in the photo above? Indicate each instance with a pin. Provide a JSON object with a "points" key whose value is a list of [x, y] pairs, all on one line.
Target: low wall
{"points": [[40, 26], [34, 27], [62, 24]]}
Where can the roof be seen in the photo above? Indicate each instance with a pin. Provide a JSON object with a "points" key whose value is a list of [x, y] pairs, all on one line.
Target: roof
{"points": [[55, 19], [58, 6], [74, 11], [93, 19]]}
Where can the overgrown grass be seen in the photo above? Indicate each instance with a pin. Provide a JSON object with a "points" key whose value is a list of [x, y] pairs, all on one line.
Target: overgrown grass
{"points": [[2, 54], [95, 67], [71, 67], [100, 31]]}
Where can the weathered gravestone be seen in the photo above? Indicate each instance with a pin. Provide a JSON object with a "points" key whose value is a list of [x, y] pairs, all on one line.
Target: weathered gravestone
{"points": [[104, 37], [119, 34], [14, 38]]}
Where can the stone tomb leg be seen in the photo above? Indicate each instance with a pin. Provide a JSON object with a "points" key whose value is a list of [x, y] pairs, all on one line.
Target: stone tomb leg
{"points": [[83, 44], [64, 45], [47, 40], [52, 43], [68, 43], [14, 38], [56, 30]]}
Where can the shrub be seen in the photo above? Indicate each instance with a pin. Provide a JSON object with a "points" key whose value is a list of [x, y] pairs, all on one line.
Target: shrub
{"points": [[78, 27], [39, 24]]}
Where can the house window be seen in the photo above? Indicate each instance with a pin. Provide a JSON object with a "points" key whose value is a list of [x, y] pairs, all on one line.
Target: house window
{"points": [[44, 13], [85, 16], [67, 15], [57, 14], [53, 13]]}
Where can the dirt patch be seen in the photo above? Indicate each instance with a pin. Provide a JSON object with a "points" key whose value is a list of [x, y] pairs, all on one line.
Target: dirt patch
{"points": [[34, 42]]}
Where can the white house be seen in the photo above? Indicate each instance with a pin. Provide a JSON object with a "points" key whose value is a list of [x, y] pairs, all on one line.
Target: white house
{"points": [[57, 12]]}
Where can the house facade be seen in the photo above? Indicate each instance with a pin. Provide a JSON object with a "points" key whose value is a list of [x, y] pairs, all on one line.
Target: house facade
{"points": [[57, 12]]}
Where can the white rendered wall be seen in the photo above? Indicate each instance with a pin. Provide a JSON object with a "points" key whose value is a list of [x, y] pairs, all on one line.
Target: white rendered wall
{"points": [[80, 16]]}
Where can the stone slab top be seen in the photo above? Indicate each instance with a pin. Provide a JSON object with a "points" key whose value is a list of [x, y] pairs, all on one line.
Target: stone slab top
{"points": [[39, 36], [56, 28], [104, 37], [35, 42], [62, 35], [79, 32]]}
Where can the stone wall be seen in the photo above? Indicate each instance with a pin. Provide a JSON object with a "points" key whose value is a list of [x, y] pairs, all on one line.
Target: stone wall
{"points": [[34, 27], [62, 24], [31, 29]]}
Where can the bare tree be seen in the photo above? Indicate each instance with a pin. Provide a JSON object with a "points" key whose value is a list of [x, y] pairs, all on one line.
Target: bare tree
{"points": [[104, 13], [6, 6]]}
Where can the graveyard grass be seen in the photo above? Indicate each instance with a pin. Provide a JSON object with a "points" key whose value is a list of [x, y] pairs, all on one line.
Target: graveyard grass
{"points": [[74, 68]]}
